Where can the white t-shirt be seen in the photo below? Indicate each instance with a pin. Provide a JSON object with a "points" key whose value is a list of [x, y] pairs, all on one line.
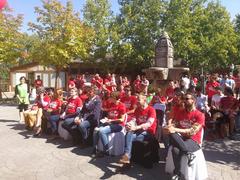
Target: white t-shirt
{"points": [[186, 82], [216, 100]]}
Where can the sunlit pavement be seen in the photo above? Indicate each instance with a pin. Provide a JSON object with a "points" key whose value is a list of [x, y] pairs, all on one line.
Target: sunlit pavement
{"points": [[25, 157]]}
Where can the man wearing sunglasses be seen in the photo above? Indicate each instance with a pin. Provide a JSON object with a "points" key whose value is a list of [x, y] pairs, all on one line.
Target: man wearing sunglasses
{"points": [[185, 133]]}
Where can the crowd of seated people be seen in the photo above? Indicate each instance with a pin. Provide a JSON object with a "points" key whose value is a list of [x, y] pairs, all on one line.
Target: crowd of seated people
{"points": [[100, 106]]}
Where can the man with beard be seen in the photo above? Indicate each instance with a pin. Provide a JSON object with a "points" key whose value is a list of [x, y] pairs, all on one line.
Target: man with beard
{"points": [[185, 133]]}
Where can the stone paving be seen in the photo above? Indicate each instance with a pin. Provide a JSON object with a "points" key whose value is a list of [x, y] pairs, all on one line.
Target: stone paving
{"points": [[23, 157]]}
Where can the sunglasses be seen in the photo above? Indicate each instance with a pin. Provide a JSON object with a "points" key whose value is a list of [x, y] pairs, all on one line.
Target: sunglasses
{"points": [[187, 98]]}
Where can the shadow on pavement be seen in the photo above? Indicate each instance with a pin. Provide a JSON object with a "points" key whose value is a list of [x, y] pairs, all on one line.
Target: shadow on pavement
{"points": [[110, 167], [223, 152], [6, 121]]}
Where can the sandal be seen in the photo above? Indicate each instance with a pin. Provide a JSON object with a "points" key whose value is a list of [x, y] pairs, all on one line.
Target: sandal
{"points": [[38, 131]]}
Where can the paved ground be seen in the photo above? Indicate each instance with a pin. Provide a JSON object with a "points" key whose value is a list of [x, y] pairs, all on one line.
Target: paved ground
{"points": [[24, 157]]}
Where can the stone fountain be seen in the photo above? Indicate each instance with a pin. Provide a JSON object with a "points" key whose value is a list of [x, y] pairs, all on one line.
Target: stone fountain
{"points": [[163, 71]]}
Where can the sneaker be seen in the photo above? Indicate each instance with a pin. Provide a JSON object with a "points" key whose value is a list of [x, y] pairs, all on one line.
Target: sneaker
{"points": [[175, 177], [124, 159], [191, 157]]}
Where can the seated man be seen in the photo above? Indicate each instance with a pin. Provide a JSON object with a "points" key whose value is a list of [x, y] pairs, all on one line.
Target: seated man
{"points": [[144, 126], [90, 113], [114, 122], [185, 132]]}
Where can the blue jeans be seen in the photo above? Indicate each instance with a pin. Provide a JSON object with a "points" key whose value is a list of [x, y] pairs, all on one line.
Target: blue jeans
{"points": [[53, 121], [103, 132], [82, 127], [133, 136], [69, 124]]}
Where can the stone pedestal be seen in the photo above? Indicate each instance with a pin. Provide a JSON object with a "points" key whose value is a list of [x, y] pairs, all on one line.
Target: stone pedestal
{"points": [[163, 71]]}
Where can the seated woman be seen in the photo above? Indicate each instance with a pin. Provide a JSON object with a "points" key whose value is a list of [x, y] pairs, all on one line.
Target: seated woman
{"points": [[72, 110], [89, 116], [114, 122], [41, 103], [54, 110]]}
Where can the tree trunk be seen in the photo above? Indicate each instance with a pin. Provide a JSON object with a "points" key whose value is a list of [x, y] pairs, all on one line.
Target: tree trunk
{"points": [[57, 78]]}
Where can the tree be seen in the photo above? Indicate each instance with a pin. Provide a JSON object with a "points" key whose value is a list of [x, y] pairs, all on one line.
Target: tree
{"points": [[10, 36], [98, 15], [237, 30], [139, 26], [201, 33], [63, 37]]}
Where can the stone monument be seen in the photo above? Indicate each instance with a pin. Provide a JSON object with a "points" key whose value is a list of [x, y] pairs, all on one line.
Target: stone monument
{"points": [[163, 70]]}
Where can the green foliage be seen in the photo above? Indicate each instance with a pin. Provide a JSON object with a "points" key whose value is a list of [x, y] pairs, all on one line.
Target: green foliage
{"points": [[63, 37], [237, 30], [98, 16], [138, 28], [201, 33], [10, 48]]}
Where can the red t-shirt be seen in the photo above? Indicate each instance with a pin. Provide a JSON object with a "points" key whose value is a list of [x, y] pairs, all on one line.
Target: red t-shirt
{"points": [[210, 88], [129, 101], [83, 97], [46, 98], [137, 84], [170, 92], [98, 82], [116, 111], [55, 105], [175, 109], [108, 85], [38, 83], [228, 102], [73, 104], [186, 119], [142, 116], [71, 84], [106, 104]]}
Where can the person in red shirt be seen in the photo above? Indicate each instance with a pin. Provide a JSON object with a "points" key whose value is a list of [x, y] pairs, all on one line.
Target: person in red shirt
{"points": [[79, 81], [170, 91], [38, 82], [54, 109], [97, 81], [107, 83], [185, 133], [137, 84], [73, 109], [228, 105], [71, 83], [43, 99], [211, 87], [114, 122], [130, 102], [82, 93], [143, 126]]}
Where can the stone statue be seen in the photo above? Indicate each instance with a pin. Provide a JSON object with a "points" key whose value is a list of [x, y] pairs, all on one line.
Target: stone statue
{"points": [[164, 52]]}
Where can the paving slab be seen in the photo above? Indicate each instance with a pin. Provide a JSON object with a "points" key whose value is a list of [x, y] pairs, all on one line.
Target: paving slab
{"points": [[23, 157]]}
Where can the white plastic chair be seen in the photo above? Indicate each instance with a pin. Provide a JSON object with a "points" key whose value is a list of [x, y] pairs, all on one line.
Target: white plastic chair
{"points": [[62, 132], [116, 142], [198, 169]]}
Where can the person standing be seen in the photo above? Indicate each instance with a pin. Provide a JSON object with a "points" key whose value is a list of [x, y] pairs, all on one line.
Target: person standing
{"points": [[21, 92], [38, 82]]}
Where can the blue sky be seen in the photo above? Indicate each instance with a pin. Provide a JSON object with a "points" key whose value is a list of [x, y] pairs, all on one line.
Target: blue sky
{"points": [[26, 7]]}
